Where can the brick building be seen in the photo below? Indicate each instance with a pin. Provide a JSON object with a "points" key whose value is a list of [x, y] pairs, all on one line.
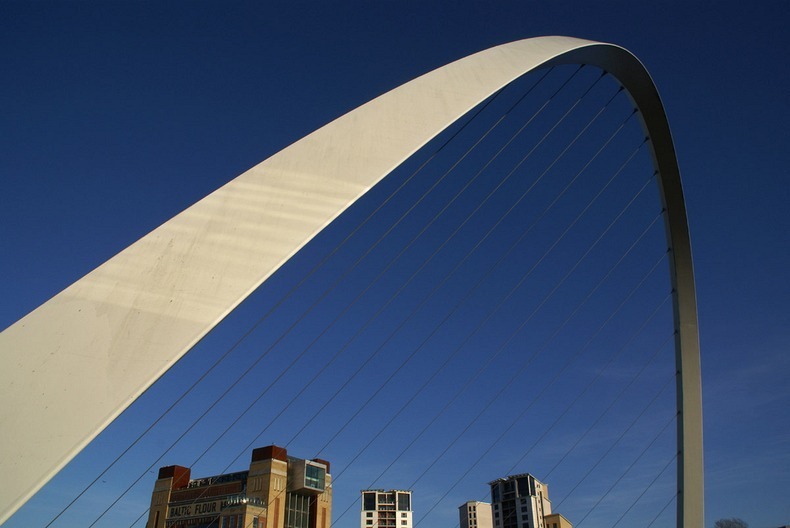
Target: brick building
{"points": [[277, 491]]}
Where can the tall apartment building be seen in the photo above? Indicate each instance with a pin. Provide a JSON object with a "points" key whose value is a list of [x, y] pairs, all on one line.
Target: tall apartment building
{"points": [[519, 501], [475, 514], [386, 509], [277, 491]]}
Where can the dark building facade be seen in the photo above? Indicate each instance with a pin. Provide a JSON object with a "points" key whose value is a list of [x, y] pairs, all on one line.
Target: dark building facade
{"points": [[519, 501]]}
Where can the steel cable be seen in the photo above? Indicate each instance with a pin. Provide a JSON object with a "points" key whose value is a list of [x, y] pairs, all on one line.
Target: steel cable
{"points": [[348, 271]]}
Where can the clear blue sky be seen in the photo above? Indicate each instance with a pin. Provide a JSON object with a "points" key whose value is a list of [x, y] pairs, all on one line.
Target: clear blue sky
{"points": [[118, 115]]}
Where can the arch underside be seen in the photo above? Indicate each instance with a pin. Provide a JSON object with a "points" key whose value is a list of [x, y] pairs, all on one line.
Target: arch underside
{"points": [[91, 350]]}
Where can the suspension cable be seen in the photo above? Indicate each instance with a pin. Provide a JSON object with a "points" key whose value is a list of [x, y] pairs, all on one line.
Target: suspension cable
{"points": [[353, 266]]}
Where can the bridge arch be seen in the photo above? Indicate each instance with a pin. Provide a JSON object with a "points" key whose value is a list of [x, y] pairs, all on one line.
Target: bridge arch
{"points": [[92, 349]]}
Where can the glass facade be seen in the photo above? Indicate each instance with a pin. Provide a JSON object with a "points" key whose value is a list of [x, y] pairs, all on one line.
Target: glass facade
{"points": [[297, 511], [314, 477], [369, 501], [404, 502], [525, 487]]}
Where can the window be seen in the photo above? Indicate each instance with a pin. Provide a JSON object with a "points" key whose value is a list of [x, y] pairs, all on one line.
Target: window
{"points": [[369, 522], [297, 511], [404, 501], [525, 487], [254, 522], [510, 489], [386, 498], [404, 522], [314, 477], [403, 514], [369, 501]]}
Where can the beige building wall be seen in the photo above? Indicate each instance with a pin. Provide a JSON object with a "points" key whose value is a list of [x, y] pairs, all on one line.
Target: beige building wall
{"points": [[475, 514], [267, 481], [246, 516], [323, 509], [555, 520], [170, 478]]}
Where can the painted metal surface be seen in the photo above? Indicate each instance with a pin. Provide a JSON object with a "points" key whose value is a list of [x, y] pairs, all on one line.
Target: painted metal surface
{"points": [[75, 363]]}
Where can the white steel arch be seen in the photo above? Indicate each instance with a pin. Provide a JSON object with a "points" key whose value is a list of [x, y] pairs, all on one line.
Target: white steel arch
{"points": [[75, 363]]}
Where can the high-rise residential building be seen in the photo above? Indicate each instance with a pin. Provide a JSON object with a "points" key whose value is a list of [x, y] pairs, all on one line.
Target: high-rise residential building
{"points": [[386, 509], [519, 501], [475, 514], [277, 491]]}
